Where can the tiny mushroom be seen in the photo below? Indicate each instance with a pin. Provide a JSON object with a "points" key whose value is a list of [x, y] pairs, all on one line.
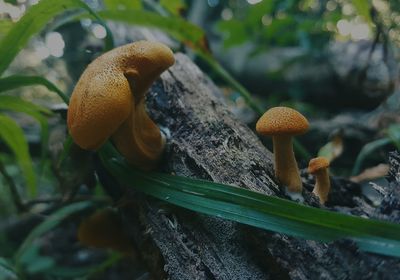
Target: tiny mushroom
{"points": [[109, 102], [319, 168], [104, 229], [282, 123]]}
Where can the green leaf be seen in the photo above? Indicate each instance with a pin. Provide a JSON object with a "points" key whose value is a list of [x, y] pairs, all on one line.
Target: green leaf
{"points": [[175, 7], [32, 262], [123, 4], [366, 150], [5, 26], [88, 272], [16, 81], [7, 271], [40, 264], [14, 103], [66, 151], [235, 32], [61, 272], [33, 22], [362, 7], [14, 138], [393, 133], [179, 28], [49, 223], [256, 209], [393, 136]]}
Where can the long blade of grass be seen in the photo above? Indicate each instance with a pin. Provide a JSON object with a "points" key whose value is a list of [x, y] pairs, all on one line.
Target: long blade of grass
{"points": [[393, 132], [5, 26], [7, 271], [179, 28], [34, 20], [16, 81], [14, 138], [16, 104], [256, 209]]}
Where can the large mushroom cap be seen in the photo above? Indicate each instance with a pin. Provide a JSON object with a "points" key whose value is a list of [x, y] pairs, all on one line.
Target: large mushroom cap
{"points": [[282, 121], [102, 99], [317, 164]]}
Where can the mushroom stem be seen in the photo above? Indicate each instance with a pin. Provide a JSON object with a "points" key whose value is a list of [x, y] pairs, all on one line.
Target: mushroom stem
{"points": [[139, 139], [322, 185], [286, 169]]}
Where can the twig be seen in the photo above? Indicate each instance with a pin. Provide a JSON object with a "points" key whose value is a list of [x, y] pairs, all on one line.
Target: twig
{"points": [[59, 201], [32, 202], [13, 189]]}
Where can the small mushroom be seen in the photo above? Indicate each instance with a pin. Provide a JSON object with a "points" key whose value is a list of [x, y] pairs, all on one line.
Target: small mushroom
{"points": [[109, 101], [319, 168], [105, 229], [282, 124]]}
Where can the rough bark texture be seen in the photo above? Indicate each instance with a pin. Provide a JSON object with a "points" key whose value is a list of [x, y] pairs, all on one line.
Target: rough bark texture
{"points": [[206, 141]]}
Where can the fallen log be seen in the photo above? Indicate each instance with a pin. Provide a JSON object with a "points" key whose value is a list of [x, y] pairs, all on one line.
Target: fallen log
{"points": [[206, 141]]}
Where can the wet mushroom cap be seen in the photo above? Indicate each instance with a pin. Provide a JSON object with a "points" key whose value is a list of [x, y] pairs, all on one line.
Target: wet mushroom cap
{"points": [[102, 99], [317, 164], [282, 121]]}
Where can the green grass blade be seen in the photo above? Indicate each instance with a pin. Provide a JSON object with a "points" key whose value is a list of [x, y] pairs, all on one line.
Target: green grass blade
{"points": [[16, 104], [362, 8], [7, 272], [393, 132], [179, 28], [16, 81], [14, 138], [123, 4], [393, 136], [33, 22], [5, 26], [49, 223], [256, 209]]}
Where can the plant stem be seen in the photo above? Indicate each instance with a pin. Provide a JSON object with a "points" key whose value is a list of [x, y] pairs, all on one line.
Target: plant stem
{"points": [[13, 189]]}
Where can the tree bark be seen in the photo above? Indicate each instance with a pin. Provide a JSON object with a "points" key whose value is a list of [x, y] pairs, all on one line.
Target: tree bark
{"points": [[204, 140]]}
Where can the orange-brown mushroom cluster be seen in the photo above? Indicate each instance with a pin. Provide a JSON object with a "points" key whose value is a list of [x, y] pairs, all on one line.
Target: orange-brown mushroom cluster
{"points": [[282, 123], [109, 102]]}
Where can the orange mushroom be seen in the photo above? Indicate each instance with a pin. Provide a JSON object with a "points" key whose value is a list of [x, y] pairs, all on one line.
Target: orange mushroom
{"points": [[109, 101], [282, 123], [104, 229], [319, 168]]}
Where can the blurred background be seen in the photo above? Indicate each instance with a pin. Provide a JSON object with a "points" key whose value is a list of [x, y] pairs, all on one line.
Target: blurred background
{"points": [[330, 54], [336, 61], [333, 60]]}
